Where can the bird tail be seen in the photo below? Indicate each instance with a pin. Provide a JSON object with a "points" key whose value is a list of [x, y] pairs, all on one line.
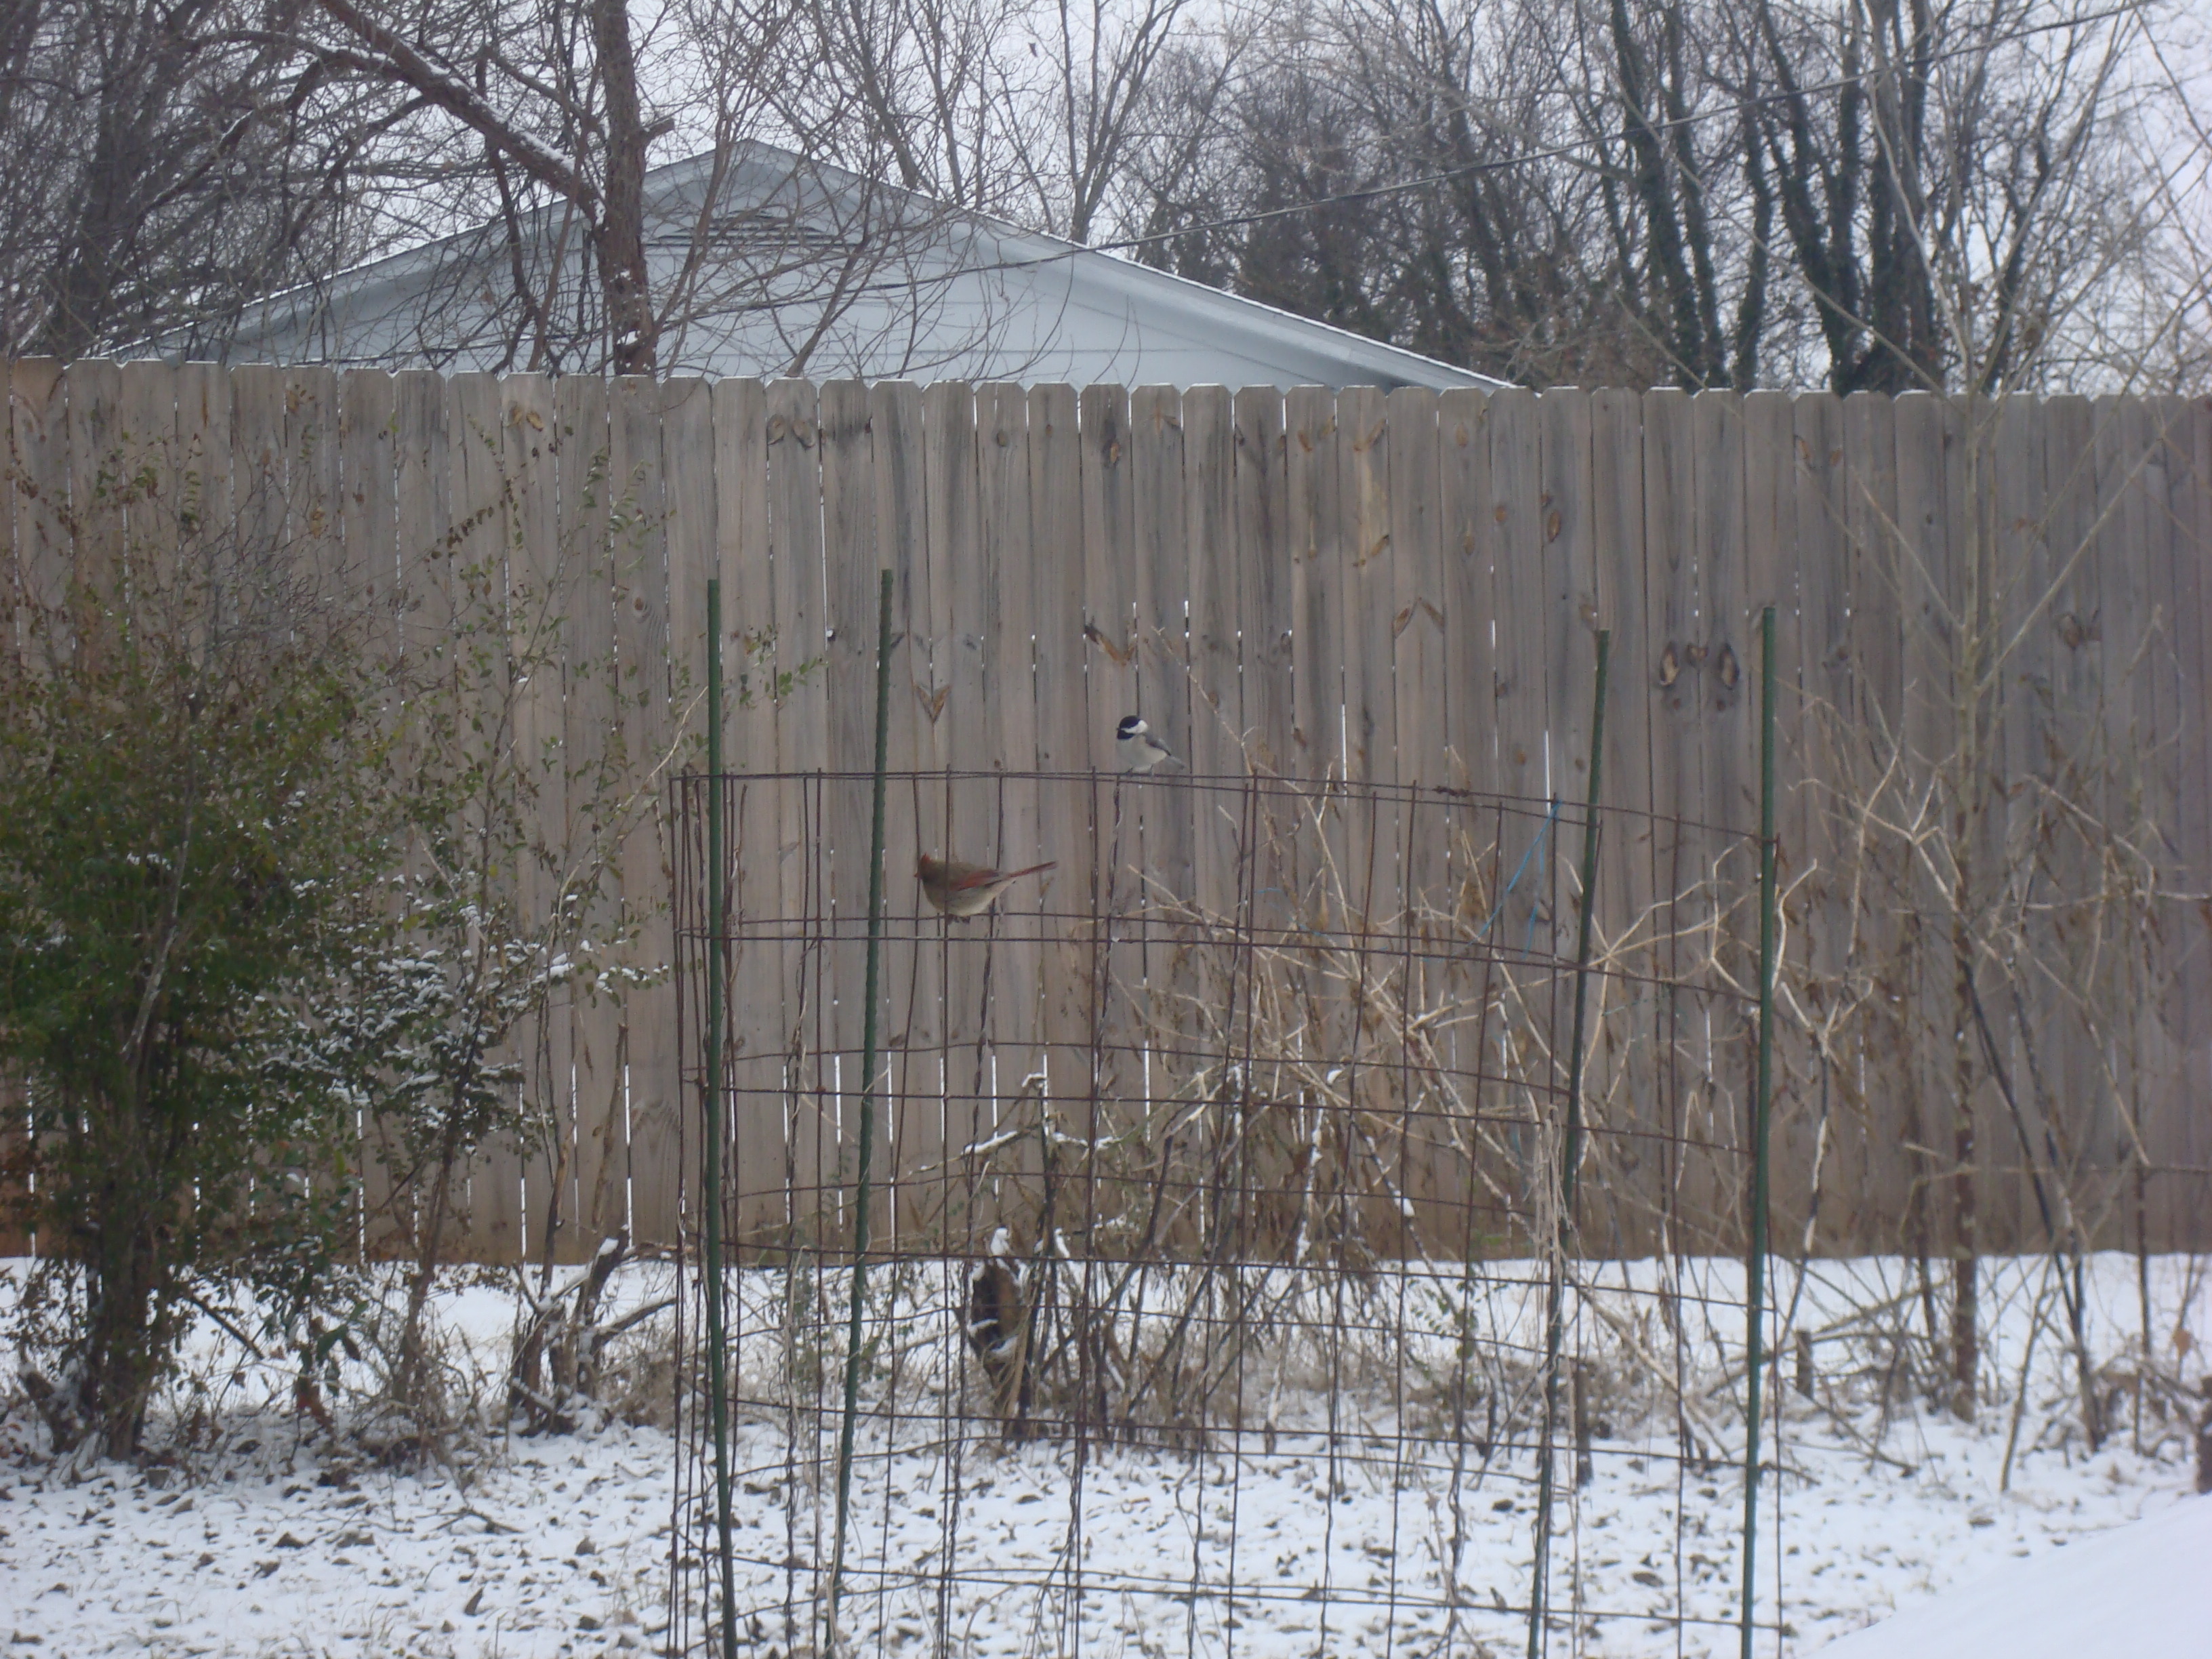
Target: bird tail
{"points": [[1035, 869]]}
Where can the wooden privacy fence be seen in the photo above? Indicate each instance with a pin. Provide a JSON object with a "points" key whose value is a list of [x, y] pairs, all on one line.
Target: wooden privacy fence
{"points": [[1402, 589]]}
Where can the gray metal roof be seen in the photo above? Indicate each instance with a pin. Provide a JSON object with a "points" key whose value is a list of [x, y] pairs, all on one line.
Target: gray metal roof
{"points": [[813, 271]]}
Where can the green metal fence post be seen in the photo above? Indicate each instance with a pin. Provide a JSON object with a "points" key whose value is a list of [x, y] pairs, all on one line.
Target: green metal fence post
{"points": [[719, 1392], [1554, 1321], [867, 1100], [1762, 1103]]}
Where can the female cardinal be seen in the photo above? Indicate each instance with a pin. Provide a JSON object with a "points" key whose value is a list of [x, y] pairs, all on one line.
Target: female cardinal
{"points": [[966, 890]]}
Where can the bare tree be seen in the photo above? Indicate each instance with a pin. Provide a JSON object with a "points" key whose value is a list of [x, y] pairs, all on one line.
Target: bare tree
{"points": [[168, 163], [1878, 196]]}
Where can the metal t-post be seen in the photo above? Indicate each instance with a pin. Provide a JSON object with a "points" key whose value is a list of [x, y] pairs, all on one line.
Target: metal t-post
{"points": [[718, 1395], [1762, 1101], [867, 1101], [1555, 1310]]}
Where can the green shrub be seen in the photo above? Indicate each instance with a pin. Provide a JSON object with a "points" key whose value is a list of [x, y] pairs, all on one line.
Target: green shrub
{"points": [[196, 827]]}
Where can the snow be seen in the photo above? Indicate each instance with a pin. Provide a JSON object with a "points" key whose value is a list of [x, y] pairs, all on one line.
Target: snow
{"points": [[270, 1537], [2137, 1590]]}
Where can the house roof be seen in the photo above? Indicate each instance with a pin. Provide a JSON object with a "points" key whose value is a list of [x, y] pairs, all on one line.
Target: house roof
{"points": [[813, 271]]}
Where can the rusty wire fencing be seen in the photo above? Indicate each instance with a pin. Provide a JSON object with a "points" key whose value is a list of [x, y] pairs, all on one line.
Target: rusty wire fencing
{"points": [[1204, 1300]]}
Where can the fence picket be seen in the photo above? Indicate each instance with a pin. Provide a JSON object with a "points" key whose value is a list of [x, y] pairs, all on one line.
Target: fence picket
{"points": [[598, 1134], [802, 740], [475, 564], [965, 815], [1628, 1200], [1769, 577], [671, 1147], [1835, 1163], [758, 987], [1070, 738], [38, 581], [851, 561]]}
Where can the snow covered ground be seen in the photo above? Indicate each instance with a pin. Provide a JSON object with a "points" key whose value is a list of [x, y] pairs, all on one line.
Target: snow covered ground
{"points": [[270, 1537], [2136, 1590]]}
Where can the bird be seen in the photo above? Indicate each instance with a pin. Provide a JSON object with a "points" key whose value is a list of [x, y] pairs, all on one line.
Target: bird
{"points": [[966, 890], [1138, 750], [998, 1321]]}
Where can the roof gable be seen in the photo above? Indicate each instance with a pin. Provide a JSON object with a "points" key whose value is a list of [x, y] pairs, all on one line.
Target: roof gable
{"points": [[809, 269]]}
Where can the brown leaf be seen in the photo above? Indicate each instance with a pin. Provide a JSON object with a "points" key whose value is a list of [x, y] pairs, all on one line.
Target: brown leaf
{"points": [[1120, 654]]}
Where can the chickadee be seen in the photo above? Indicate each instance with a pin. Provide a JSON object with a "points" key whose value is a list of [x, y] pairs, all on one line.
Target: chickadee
{"points": [[966, 890], [1140, 751]]}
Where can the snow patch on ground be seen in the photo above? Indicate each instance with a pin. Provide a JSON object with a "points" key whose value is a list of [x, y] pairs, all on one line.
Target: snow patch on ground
{"points": [[272, 1539]]}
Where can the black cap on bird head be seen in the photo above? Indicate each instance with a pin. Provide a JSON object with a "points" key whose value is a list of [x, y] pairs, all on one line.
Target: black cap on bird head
{"points": [[1131, 726]]}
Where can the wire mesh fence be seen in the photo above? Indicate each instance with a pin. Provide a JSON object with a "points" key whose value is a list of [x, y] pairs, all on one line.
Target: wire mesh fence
{"points": [[1216, 1218]]}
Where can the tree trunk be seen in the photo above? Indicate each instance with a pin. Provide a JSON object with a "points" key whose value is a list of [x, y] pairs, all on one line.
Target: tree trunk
{"points": [[631, 326]]}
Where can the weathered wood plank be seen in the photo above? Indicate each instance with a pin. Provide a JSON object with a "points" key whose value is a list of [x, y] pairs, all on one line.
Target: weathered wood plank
{"points": [[1673, 624], [311, 460], [1071, 799], [472, 583], [598, 1132], [1928, 583], [39, 490], [1266, 577], [1315, 524], [421, 489], [1263, 576], [964, 812], [93, 400], [650, 739], [1518, 511], [2137, 543], [367, 530], [1367, 870], [1465, 536], [802, 738], [2189, 436], [2017, 672], [1819, 840], [536, 584], [760, 993], [851, 563], [1878, 1093], [1728, 671], [1571, 618], [1168, 806], [204, 448], [38, 577], [1626, 1098], [1769, 576], [1011, 584], [1521, 669], [913, 1116], [670, 1142], [1216, 751], [146, 470], [1417, 598], [1113, 669]]}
